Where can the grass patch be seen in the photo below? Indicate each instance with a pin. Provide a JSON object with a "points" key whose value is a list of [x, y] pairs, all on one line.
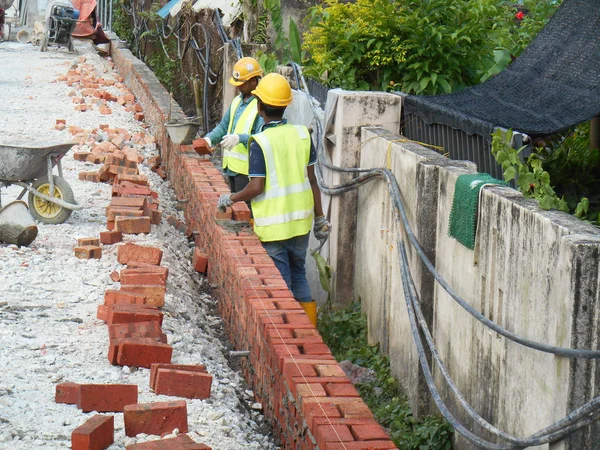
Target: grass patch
{"points": [[345, 332]]}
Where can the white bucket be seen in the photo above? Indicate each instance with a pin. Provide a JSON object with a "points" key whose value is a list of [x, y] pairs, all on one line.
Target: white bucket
{"points": [[23, 36], [16, 224]]}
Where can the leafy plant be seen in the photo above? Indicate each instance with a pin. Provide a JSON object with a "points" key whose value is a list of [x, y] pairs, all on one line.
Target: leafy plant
{"points": [[418, 46], [345, 332], [268, 61], [531, 178]]}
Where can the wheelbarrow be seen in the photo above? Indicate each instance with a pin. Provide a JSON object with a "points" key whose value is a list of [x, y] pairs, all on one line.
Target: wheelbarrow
{"points": [[51, 199]]}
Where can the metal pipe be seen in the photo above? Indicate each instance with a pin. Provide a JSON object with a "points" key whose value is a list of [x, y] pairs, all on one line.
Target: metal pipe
{"points": [[54, 200]]}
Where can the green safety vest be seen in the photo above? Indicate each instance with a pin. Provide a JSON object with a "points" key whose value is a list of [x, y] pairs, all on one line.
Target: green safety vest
{"points": [[237, 158], [285, 208]]}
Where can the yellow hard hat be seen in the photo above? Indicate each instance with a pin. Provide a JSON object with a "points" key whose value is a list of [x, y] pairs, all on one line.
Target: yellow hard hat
{"points": [[274, 90], [245, 69]]}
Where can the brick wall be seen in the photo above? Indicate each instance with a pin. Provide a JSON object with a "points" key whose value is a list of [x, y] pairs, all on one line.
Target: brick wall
{"points": [[305, 394]]}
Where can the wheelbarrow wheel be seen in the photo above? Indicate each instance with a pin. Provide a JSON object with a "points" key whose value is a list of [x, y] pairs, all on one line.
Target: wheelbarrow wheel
{"points": [[48, 212]]}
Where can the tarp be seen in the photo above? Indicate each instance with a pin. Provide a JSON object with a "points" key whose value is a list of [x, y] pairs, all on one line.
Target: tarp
{"points": [[84, 28], [164, 11], [552, 86]]}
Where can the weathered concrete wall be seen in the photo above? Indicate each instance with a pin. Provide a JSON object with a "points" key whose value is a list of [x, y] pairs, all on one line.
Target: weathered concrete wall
{"points": [[350, 111], [535, 273]]}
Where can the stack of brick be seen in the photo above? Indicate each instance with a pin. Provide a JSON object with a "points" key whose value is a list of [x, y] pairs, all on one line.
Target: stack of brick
{"points": [[132, 312], [88, 248], [132, 213], [304, 392]]}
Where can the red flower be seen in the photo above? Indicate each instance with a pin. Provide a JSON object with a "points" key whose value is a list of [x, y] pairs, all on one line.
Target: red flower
{"points": [[519, 15]]}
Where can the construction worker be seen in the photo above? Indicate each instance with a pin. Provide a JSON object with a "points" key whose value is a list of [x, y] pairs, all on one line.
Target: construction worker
{"points": [[240, 121], [283, 189]]}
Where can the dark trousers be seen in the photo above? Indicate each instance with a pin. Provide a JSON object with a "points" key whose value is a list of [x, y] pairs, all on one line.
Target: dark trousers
{"points": [[237, 183]]}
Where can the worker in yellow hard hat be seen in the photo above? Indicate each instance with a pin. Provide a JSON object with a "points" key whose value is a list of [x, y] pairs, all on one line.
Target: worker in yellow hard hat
{"points": [[283, 189], [240, 121]]}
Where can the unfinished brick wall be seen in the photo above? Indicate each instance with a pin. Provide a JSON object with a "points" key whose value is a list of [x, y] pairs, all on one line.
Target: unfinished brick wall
{"points": [[305, 394]]}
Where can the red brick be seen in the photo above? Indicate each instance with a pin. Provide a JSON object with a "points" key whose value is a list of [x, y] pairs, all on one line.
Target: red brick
{"points": [[149, 329], [341, 390], [332, 433], [132, 313], [112, 213], [201, 147], [114, 297], [140, 352], [155, 216], [102, 313], [128, 202], [82, 242], [366, 445], [114, 275], [155, 295], [181, 383], [97, 433], [155, 418], [143, 278], [181, 442], [110, 237], [67, 393], [368, 432], [88, 252], [133, 225], [200, 261], [138, 253], [185, 367], [106, 397]]}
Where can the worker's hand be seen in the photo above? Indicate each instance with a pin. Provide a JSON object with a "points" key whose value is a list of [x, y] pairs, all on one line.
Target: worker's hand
{"points": [[224, 202], [321, 228], [207, 139], [229, 141]]}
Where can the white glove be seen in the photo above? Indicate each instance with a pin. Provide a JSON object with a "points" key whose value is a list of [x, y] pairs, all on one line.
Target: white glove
{"points": [[321, 228], [229, 141], [207, 141], [224, 202]]}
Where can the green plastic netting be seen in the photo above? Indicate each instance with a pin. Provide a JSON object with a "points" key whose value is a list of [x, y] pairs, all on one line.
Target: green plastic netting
{"points": [[463, 216]]}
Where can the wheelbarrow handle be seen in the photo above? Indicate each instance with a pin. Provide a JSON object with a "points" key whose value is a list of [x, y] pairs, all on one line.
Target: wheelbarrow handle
{"points": [[54, 200]]}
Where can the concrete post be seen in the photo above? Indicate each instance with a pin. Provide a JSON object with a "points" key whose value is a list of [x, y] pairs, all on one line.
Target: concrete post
{"points": [[353, 110]]}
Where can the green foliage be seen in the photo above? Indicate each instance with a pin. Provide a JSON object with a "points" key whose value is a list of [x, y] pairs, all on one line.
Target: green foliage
{"points": [[274, 8], [575, 171], [531, 178], [345, 332], [121, 24], [418, 46], [295, 43], [268, 61]]}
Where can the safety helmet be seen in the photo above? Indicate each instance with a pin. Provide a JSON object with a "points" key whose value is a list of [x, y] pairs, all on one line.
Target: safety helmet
{"points": [[274, 90], [245, 69]]}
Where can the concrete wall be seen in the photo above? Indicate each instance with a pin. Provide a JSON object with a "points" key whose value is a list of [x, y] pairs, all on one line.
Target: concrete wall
{"points": [[535, 273]]}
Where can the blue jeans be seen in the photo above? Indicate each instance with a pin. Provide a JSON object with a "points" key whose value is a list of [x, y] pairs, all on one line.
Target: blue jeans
{"points": [[289, 257]]}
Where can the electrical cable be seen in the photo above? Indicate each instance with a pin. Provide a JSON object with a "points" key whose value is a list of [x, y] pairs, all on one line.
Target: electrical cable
{"points": [[578, 418]]}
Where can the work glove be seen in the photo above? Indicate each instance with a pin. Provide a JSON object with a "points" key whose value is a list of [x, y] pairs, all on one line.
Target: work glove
{"points": [[229, 141], [224, 202], [322, 228], [207, 141]]}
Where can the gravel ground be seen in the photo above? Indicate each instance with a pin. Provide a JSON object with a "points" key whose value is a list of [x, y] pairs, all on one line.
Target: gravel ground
{"points": [[48, 298]]}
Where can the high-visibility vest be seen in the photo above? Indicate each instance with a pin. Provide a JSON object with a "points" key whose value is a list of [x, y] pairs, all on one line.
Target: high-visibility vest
{"points": [[237, 158], [285, 208]]}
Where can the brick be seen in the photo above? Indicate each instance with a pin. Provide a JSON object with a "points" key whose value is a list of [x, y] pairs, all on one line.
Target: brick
{"points": [[366, 445], [332, 433], [181, 442], [155, 216], [89, 176], [81, 242], [185, 367], [149, 329], [66, 393], [97, 433], [128, 202], [81, 156], [155, 418], [115, 297], [102, 313], [113, 213], [143, 278], [138, 253], [110, 237], [106, 397], [200, 261], [132, 313], [201, 147], [341, 390], [155, 295], [88, 252], [181, 383], [368, 432], [141, 352]]}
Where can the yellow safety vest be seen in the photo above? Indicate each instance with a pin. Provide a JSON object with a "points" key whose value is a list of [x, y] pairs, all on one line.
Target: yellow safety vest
{"points": [[285, 208], [237, 158]]}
